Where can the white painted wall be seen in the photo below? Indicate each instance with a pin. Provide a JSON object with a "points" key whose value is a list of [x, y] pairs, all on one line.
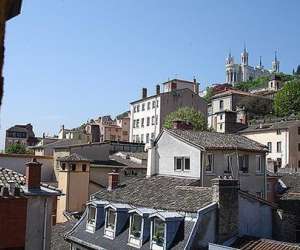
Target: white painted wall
{"points": [[169, 147]]}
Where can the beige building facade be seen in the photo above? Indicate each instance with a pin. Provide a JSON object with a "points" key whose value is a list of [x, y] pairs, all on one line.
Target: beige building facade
{"points": [[283, 142]]}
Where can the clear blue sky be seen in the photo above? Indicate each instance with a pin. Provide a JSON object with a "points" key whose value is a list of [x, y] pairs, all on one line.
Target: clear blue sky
{"points": [[71, 60]]}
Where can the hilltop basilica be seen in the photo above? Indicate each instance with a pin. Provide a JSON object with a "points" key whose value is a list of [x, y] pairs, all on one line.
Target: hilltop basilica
{"points": [[243, 72]]}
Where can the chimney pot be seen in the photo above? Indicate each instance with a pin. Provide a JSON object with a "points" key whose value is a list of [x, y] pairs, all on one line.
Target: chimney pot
{"points": [[33, 174], [113, 181], [144, 93]]}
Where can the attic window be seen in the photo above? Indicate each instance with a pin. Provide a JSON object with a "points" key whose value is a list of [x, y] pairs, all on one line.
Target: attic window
{"points": [[63, 166], [136, 226], [110, 219], [92, 215], [158, 232]]}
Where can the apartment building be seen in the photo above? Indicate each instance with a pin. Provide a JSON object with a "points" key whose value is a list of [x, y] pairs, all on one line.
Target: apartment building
{"points": [[231, 109], [283, 141], [149, 112]]}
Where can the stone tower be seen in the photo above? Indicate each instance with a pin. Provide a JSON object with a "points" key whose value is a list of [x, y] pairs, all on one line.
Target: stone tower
{"points": [[275, 64], [244, 57]]}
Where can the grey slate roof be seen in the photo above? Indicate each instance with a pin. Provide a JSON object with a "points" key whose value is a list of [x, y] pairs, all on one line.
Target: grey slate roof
{"points": [[217, 141], [73, 157], [160, 192], [60, 144], [57, 235], [270, 126], [98, 241]]}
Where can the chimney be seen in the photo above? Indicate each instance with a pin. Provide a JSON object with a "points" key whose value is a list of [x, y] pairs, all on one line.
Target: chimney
{"points": [[33, 174], [196, 87], [225, 193], [144, 93], [182, 125], [151, 159], [4, 191], [113, 181], [157, 89]]}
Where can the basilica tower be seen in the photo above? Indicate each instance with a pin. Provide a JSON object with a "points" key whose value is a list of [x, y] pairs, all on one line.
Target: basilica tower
{"points": [[275, 64]]}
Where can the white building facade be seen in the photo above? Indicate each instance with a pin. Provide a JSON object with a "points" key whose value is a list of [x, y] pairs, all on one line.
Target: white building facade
{"points": [[148, 113]]}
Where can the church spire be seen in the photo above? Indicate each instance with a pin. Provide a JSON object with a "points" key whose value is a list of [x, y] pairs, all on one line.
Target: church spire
{"points": [[260, 63], [244, 56], [275, 63]]}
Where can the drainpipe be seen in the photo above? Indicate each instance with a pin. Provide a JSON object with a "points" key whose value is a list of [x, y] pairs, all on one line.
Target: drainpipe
{"points": [[202, 167], [45, 223]]}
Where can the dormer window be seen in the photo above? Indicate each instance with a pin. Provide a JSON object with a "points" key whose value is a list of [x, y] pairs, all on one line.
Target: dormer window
{"points": [[92, 215], [136, 226], [63, 166], [73, 166], [110, 219], [158, 232]]}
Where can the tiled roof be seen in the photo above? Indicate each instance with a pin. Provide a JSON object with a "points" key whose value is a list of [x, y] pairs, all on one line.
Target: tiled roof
{"points": [[270, 126], [57, 236], [98, 241], [214, 140], [234, 91], [73, 157], [160, 192], [251, 243], [292, 181], [7, 176]]}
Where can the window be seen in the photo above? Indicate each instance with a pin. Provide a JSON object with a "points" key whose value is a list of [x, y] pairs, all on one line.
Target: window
{"points": [[83, 167], [270, 147], [148, 121], [260, 163], [221, 117], [148, 105], [221, 126], [137, 123], [156, 119], [187, 164], [147, 138], [110, 219], [298, 146], [278, 132], [228, 166], [138, 108], [244, 163], [157, 103], [153, 104], [92, 215], [73, 167], [134, 123], [136, 226], [134, 109], [152, 135], [63, 166], [137, 138], [279, 147], [158, 233], [221, 105], [178, 163], [142, 122], [182, 164], [143, 107], [142, 138], [209, 163], [153, 120]]}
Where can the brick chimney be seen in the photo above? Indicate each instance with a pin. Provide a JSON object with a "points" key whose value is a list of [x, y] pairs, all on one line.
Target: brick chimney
{"points": [[113, 181], [144, 93], [225, 193], [33, 174], [157, 89], [182, 125]]}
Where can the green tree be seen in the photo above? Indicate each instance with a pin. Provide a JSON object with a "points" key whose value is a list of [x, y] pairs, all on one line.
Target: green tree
{"points": [[287, 100], [209, 94], [16, 148], [188, 115]]}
